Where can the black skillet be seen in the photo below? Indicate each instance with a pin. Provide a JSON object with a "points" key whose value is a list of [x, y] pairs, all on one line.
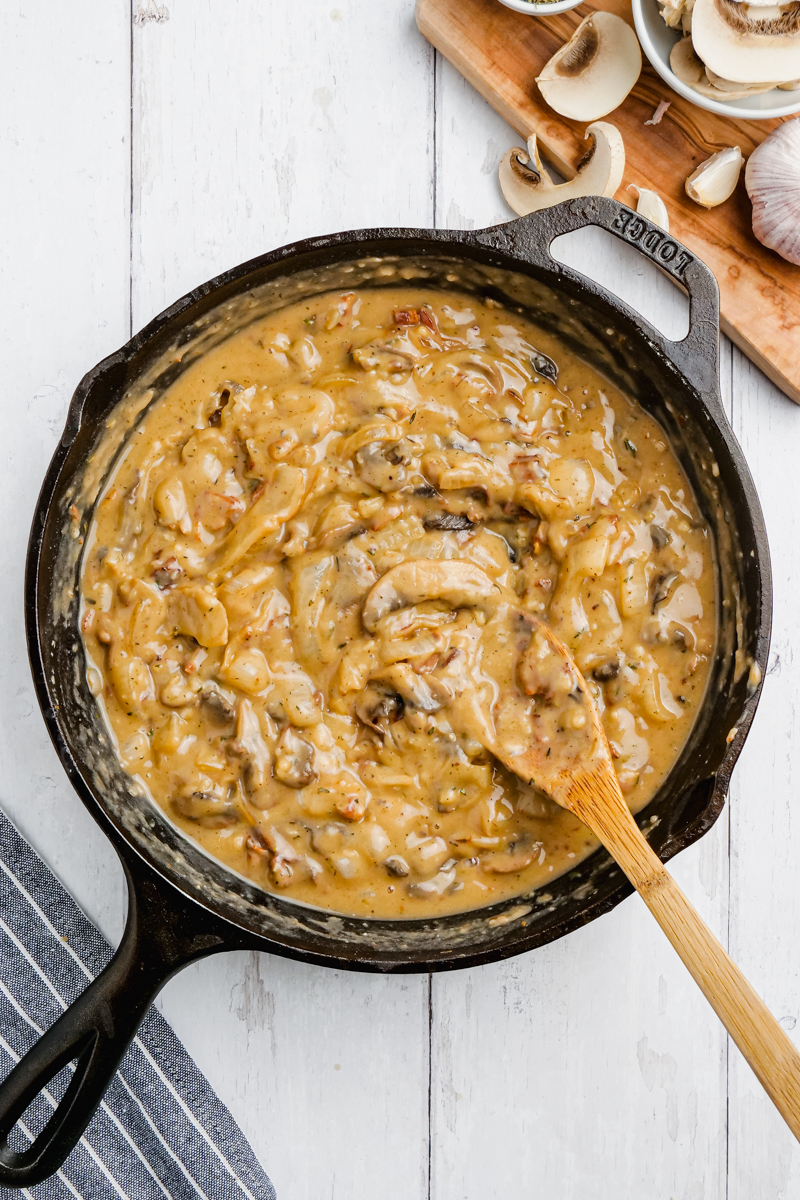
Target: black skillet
{"points": [[184, 905]]}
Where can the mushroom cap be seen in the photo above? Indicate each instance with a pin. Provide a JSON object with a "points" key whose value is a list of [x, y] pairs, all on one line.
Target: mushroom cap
{"points": [[690, 70], [528, 188], [728, 85], [460, 584], [738, 46], [594, 71]]}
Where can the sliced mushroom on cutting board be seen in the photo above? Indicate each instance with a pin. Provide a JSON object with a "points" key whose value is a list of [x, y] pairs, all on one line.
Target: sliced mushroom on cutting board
{"points": [[527, 186], [594, 71]]}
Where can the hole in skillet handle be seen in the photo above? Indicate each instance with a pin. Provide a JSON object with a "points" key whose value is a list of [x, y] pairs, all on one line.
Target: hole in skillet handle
{"points": [[71, 1039], [696, 356], [20, 1144], [95, 1030], [630, 276]]}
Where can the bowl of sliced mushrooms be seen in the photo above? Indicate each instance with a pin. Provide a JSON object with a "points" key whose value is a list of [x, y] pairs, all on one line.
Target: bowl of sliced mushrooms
{"points": [[729, 57]]}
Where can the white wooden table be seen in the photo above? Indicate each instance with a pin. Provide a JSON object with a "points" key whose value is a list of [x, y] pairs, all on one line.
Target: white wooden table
{"points": [[146, 147]]}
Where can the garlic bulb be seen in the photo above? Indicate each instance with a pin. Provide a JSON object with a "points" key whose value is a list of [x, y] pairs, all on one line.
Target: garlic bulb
{"points": [[715, 179], [772, 180], [651, 206]]}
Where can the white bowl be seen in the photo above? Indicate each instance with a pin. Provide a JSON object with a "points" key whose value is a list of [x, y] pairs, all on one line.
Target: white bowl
{"points": [[657, 39], [535, 9]]}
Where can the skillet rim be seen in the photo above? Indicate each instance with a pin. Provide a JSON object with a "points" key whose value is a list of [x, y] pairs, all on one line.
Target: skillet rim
{"points": [[503, 243]]}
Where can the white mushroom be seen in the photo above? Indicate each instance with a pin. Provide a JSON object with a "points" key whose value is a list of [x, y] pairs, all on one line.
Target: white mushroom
{"points": [[527, 187], [728, 85], [449, 470], [690, 70], [294, 760], [280, 500], [207, 808], [772, 179], [716, 178], [249, 745], [283, 854], [457, 583], [594, 71], [514, 860], [220, 706], [404, 681], [650, 205], [198, 613], [739, 42], [130, 678], [169, 501]]}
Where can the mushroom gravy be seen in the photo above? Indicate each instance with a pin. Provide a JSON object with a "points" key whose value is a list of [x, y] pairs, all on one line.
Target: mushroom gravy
{"points": [[308, 589]]}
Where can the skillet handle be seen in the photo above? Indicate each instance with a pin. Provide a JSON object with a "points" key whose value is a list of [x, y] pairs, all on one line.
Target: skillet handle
{"points": [[697, 355], [163, 933]]}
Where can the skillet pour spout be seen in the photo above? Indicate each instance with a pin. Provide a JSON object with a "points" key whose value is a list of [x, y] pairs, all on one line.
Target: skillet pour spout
{"points": [[183, 904]]}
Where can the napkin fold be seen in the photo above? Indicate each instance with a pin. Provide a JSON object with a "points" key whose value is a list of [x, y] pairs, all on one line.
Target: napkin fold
{"points": [[161, 1131]]}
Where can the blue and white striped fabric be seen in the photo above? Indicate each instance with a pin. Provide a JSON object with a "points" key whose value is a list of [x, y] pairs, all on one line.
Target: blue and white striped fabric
{"points": [[161, 1130]]}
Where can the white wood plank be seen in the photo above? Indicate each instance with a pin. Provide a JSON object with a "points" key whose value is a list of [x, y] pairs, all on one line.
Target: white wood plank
{"points": [[64, 282], [592, 1067], [327, 1072], [765, 834], [256, 124]]}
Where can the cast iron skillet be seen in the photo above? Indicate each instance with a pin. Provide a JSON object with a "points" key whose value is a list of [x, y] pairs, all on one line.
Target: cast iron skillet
{"points": [[184, 905]]}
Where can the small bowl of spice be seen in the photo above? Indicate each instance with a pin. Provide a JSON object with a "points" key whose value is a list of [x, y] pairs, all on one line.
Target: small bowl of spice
{"points": [[541, 8]]}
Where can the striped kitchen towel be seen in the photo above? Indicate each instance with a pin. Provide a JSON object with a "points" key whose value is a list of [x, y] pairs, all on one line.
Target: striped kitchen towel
{"points": [[161, 1131]]}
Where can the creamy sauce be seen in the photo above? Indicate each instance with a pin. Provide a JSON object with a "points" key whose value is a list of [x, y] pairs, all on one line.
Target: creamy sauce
{"points": [[312, 590]]}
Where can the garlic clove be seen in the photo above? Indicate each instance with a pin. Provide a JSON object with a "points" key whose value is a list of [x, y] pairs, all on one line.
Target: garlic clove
{"points": [[676, 13], [528, 187], [650, 205], [715, 180], [594, 71], [772, 179]]}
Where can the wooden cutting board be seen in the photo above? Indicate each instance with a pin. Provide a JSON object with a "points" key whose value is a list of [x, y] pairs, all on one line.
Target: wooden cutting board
{"points": [[501, 52]]}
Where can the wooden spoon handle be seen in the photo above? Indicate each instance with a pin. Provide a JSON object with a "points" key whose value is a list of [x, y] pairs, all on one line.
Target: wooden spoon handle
{"points": [[773, 1057]]}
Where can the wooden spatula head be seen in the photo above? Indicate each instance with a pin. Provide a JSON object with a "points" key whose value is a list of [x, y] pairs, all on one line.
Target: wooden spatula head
{"points": [[568, 757]]}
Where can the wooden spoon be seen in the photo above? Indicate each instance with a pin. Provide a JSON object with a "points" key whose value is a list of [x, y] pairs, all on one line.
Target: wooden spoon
{"points": [[569, 758]]}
